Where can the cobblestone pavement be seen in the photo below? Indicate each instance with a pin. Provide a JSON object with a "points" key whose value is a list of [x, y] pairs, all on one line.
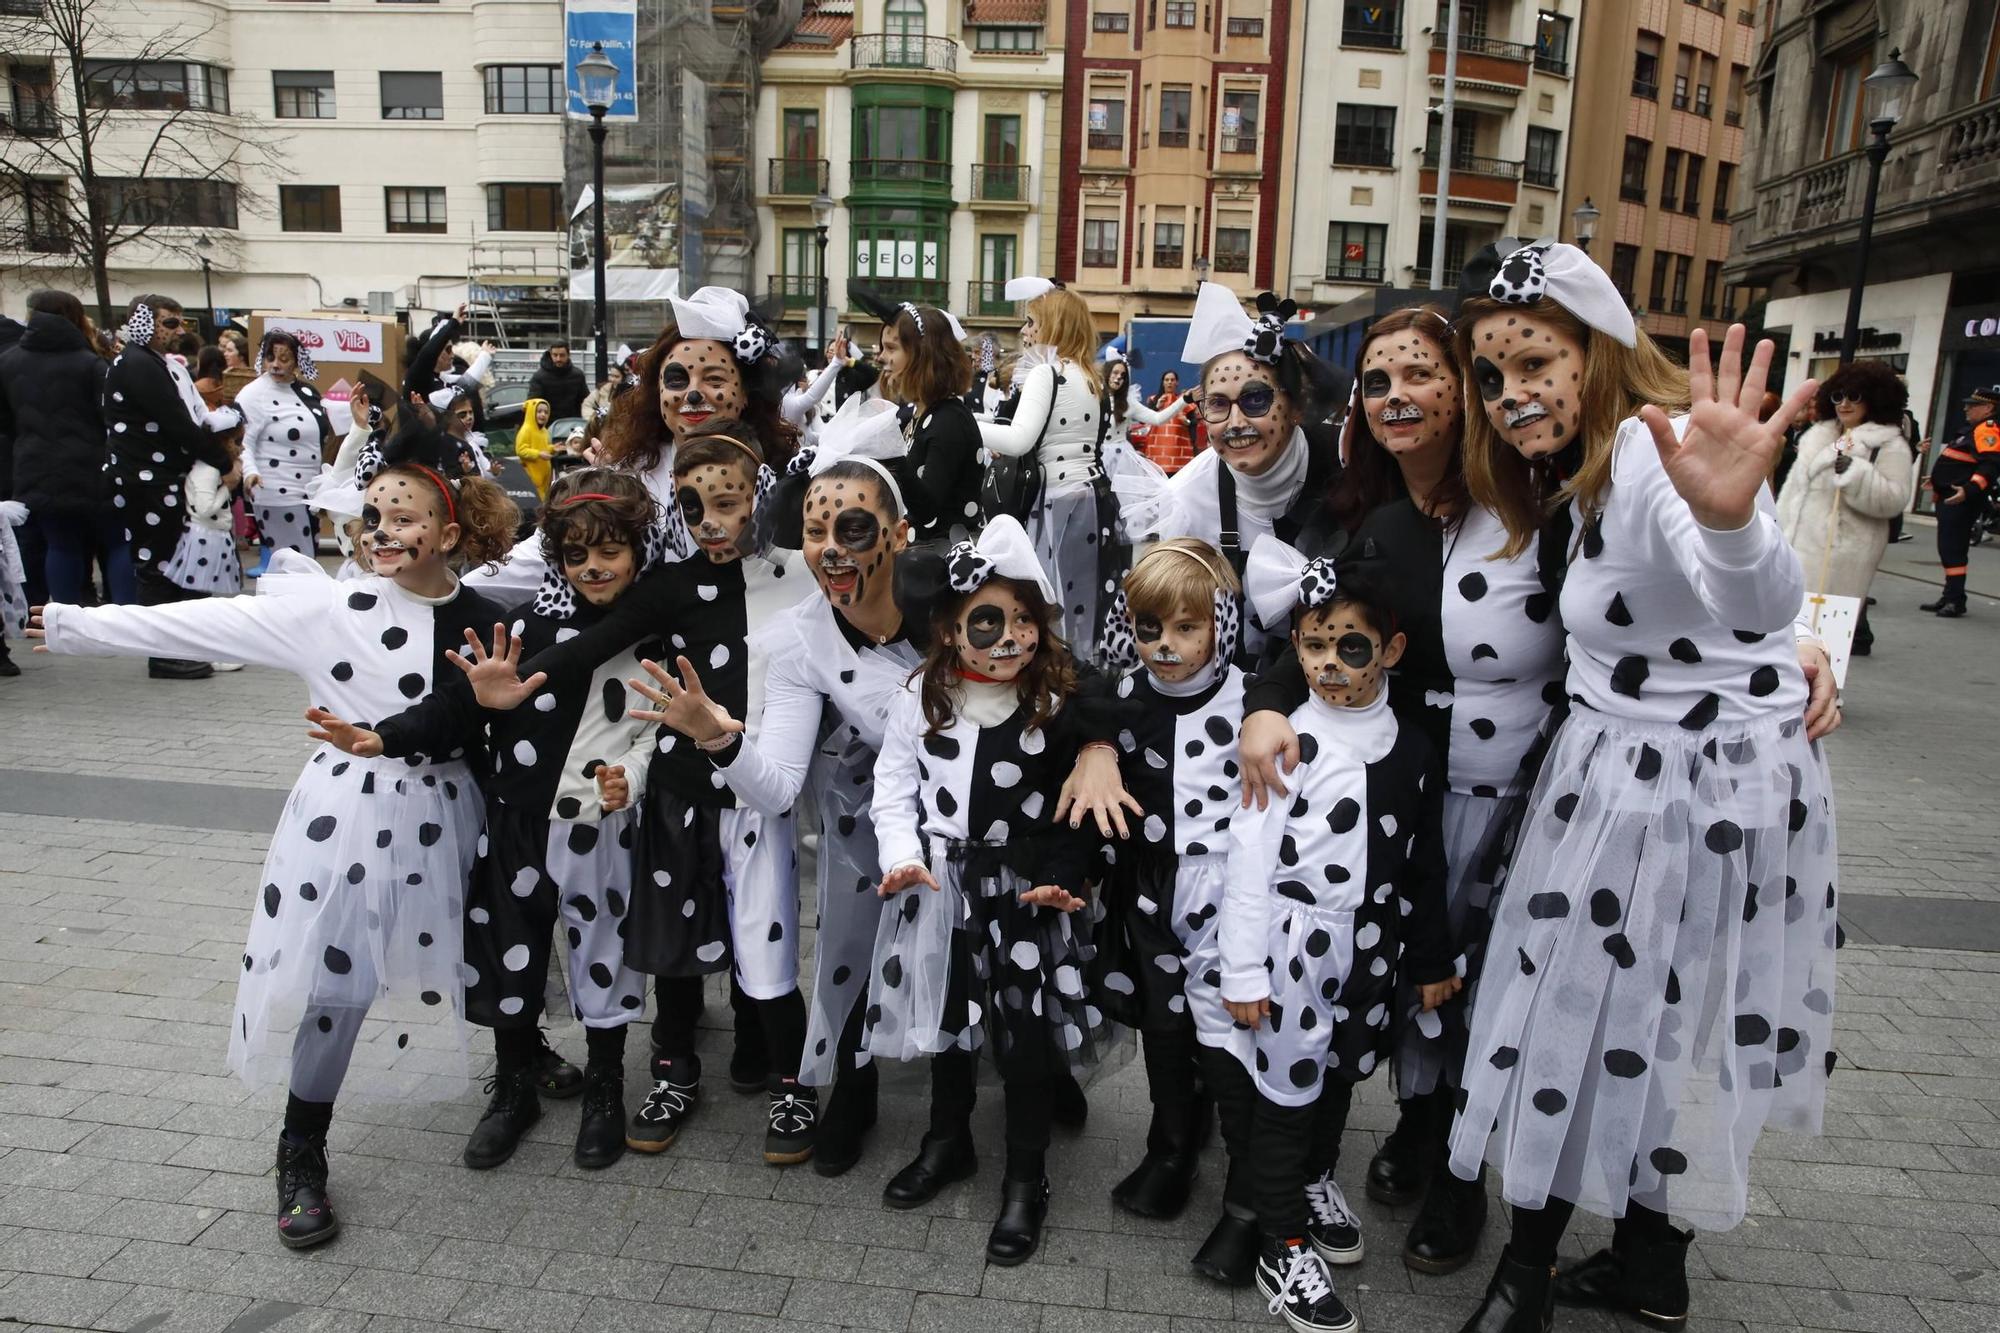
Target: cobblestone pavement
{"points": [[135, 1187]]}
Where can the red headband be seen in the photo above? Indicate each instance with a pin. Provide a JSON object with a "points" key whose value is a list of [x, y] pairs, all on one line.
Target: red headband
{"points": [[587, 495], [444, 487]]}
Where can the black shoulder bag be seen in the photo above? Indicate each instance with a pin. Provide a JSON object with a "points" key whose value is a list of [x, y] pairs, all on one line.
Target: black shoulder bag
{"points": [[1013, 485]]}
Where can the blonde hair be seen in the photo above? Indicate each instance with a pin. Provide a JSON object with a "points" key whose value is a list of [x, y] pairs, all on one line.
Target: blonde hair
{"points": [[1616, 381], [1063, 324], [1179, 574]]}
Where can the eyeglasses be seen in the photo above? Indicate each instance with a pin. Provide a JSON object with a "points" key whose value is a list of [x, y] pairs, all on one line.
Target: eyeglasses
{"points": [[1838, 398], [1255, 402]]}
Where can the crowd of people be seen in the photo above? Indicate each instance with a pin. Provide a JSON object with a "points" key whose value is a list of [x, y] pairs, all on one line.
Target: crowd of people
{"points": [[1455, 715]]}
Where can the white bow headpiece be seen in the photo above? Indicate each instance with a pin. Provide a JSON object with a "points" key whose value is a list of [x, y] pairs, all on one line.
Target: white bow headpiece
{"points": [[1002, 551], [1278, 579], [917, 318], [1565, 275], [1219, 325], [723, 315], [1027, 287], [865, 431]]}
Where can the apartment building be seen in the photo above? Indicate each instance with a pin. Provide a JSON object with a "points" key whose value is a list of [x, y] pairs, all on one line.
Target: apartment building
{"points": [[404, 151], [1181, 169], [1669, 90], [924, 137]]}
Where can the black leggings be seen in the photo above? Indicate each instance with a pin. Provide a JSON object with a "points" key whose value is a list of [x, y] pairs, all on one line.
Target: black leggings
{"points": [[955, 1090], [1274, 1151], [783, 1021], [1537, 1231]]}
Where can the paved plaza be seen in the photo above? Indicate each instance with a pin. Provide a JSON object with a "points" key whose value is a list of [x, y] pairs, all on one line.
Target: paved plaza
{"points": [[135, 1175]]}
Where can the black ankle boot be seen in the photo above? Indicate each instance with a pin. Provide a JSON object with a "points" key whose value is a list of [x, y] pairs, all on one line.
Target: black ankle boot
{"points": [[600, 1132], [1229, 1255], [1396, 1173], [1159, 1185], [511, 1113], [7, 667], [1519, 1299], [941, 1159], [1446, 1231], [554, 1076], [1017, 1232], [305, 1212], [850, 1114], [1646, 1279]]}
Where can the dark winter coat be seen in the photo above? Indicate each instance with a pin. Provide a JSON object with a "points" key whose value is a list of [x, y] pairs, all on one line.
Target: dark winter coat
{"points": [[51, 387], [564, 388]]}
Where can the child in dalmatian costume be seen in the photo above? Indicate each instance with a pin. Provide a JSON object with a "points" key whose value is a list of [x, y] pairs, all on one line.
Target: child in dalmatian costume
{"points": [[562, 819], [1660, 977], [354, 941], [1331, 900], [978, 944], [285, 429]]}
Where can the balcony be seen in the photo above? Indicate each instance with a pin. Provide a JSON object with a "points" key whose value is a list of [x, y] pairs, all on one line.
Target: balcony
{"points": [[1471, 164], [1822, 195], [801, 176], [988, 300], [1000, 183], [1484, 60], [1105, 141], [1345, 272], [1173, 139], [1372, 39], [899, 171], [1647, 89], [1547, 64], [1493, 181], [1972, 140], [1732, 118], [31, 123], [1469, 44], [1237, 143], [795, 290], [898, 51], [917, 291]]}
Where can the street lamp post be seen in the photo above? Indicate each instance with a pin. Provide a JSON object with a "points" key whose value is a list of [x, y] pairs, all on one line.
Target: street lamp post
{"points": [[1887, 89], [597, 78], [202, 246], [822, 218], [1200, 269], [1585, 216]]}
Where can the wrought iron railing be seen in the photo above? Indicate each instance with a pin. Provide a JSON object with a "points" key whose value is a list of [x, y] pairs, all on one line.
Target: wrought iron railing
{"points": [[877, 170], [1000, 182], [1473, 44], [798, 291], [894, 50], [798, 175], [1471, 164]]}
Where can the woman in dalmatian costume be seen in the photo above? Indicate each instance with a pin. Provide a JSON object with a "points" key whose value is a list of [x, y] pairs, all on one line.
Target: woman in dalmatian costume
{"points": [[1059, 413], [569, 776], [978, 945], [1479, 676], [837, 664], [361, 897], [1333, 898], [1660, 979], [285, 429]]}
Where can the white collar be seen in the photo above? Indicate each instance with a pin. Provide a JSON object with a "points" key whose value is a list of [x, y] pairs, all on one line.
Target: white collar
{"points": [[1366, 732], [1273, 491]]}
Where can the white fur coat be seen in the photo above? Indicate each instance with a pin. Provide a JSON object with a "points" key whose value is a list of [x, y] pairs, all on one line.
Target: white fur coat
{"points": [[1838, 522]]}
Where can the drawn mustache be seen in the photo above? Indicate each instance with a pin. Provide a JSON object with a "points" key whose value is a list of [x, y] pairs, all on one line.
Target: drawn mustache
{"points": [[1525, 414]]}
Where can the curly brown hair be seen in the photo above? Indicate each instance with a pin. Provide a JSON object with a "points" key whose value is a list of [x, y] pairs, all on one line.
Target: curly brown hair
{"points": [[936, 365], [1047, 683], [636, 437], [1880, 387], [486, 515], [568, 520]]}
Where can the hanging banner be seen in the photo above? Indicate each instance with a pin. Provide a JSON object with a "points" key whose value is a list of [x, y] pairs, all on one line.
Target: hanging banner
{"points": [[615, 25]]}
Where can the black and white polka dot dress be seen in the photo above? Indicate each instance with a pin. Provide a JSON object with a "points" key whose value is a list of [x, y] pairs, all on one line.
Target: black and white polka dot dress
{"points": [[205, 559], [1163, 886], [355, 932], [969, 964], [1331, 894], [153, 435], [283, 426], [550, 855], [1660, 978]]}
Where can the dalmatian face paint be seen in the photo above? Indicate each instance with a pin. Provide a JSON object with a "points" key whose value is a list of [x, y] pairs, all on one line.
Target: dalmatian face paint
{"points": [[1250, 445], [700, 379], [1409, 393], [403, 530], [850, 541], [1529, 374], [894, 358], [718, 502], [1343, 656], [282, 363], [601, 570], [1177, 648], [995, 635]]}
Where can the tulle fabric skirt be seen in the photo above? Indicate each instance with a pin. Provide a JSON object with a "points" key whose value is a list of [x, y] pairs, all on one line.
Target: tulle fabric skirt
{"points": [[1157, 965], [1659, 983], [205, 561], [1073, 531], [850, 911]]}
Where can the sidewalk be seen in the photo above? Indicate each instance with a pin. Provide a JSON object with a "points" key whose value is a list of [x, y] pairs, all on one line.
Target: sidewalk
{"points": [[135, 1191]]}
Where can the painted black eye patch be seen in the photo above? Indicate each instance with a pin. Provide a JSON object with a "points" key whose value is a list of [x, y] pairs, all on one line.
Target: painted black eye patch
{"points": [[673, 375], [1374, 384], [984, 625], [1355, 649], [371, 518], [1148, 629], [1487, 375], [689, 499], [857, 530]]}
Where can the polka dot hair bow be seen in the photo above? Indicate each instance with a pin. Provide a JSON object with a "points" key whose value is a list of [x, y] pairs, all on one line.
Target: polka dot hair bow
{"points": [[1564, 274], [1278, 580], [724, 316], [1002, 551], [1219, 325]]}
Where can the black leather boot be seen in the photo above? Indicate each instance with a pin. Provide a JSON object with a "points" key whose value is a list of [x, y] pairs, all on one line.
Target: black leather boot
{"points": [[940, 1161], [554, 1076], [1229, 1255], [1646, 1279], [511, 1113], [1446, 1232], [1068, 1106], [850, 1114], [1396, 1173], [600, 1131], [1017, 1232], [1519, 1299], [1159, 1185], [1952, 610], [305, 1212]]}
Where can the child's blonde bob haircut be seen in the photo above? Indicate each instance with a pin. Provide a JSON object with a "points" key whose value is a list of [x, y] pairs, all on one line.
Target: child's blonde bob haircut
{"points": [[1182, 574]]}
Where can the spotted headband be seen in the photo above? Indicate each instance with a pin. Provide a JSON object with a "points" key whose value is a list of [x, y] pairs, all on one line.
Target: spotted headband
{"points": [[1002, 551], [1564, 274], [1219, 325]]}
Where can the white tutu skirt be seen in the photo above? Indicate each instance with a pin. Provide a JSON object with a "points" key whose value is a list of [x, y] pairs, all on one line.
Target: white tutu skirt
{"points": [[205, 561], [1659, 983], [360, 918], [13, 581], [1072, 528]]}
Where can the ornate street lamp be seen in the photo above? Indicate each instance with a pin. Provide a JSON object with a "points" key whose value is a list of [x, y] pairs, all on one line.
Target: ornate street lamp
{"points": [[1585, 215], [1888, 93], [822, 207], [597, 80]]}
